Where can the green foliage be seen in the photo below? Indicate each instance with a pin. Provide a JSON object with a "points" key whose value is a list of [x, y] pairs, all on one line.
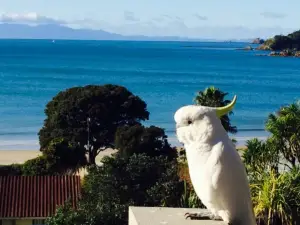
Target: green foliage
{"points": [[58, 158], [66, 215], [143, 173], [214, 97], [140, 180], [282, 42], [12, 170], [139, 139], [260, 156], [285, 130], [272, 166], [108, 107], [66, 157], [38, 166], [189, 198], [108, 191], [276, 197]]}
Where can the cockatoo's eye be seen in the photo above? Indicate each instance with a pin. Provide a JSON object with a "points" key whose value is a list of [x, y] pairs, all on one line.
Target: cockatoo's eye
{"points": [[189, 122]]}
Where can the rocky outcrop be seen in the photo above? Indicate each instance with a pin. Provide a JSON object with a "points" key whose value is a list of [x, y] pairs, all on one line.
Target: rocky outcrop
{"points": [[247, 48], [286, 53], [297, 54], [264, 47], [258, 41]]}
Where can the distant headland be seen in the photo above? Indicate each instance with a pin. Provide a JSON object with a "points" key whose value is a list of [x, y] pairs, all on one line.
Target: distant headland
{"points": [[279, 45]]}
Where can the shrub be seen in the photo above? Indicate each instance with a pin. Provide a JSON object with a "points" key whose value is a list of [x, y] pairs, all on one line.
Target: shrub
{"points": [[109, 190], [11, 170]]}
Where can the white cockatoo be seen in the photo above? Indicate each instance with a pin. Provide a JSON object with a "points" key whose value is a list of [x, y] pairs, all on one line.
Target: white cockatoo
{"points": [[217, 172]]}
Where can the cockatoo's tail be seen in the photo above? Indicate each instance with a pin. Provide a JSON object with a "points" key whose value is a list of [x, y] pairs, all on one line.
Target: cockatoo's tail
{"points": [[221, 111]]}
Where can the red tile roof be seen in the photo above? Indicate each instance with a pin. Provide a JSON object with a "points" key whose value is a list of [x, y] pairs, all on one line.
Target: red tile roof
{"points": [[36, 196]]}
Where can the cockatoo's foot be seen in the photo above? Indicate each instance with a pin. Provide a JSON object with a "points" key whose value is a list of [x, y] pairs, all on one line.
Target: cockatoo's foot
{"points": [[196, 216], [201, 216]]}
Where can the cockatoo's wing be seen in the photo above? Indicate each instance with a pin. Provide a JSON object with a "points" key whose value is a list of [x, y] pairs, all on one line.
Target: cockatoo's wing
{"points": [[230, 188]]}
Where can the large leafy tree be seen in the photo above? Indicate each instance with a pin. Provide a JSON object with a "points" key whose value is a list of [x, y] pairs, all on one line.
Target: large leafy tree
{"points": [[214, 97], [285, 129], [139, 139], [91, 114]]}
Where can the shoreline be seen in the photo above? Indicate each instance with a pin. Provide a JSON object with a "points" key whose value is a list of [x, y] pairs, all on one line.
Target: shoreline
{"points": [[8, 157]]}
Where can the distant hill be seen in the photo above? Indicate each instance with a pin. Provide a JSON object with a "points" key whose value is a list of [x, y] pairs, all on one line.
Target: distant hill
{"points": [[52, 31], [21, 31], [283, 42]]}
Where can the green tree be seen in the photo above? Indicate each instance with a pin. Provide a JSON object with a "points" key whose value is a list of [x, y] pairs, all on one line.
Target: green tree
{"points": [[66, 157], [109, 190], [91, 114], [282, 42], [139, 139], [273, 169], [11, 170], [260, 156], [39, 166], [67, 215], [58, 158], [139, 180], [284, 127], [214, 97]]}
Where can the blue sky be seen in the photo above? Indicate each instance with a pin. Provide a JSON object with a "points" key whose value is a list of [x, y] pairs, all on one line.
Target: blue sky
{"points": [[192, 18]]}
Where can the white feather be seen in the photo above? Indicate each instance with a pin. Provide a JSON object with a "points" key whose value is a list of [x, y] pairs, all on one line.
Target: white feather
{"points": [[216, 170]]}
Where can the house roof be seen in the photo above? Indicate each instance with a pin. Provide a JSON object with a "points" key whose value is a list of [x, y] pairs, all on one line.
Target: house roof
{"points": [[36, 196]]}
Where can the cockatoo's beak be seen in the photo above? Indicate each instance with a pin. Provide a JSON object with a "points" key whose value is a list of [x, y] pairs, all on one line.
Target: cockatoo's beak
{"points": [[221, 111]]}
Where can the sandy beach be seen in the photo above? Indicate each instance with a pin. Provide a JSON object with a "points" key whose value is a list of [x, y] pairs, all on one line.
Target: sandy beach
{"points": [[8, 157]]}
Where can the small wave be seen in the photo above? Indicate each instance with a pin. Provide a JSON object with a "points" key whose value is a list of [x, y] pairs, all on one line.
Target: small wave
{"points": [[239, 130], [18, 133], [19, 144], [250, 129]]}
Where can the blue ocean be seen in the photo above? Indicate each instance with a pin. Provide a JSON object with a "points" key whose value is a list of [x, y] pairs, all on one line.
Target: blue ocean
{"points": [[167, 75]]}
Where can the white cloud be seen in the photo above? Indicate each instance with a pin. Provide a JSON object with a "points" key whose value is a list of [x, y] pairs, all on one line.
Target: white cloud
{"points": [[167, 16], [273, 15], [166, 19], [158, 19], [199, 17], [29, 18], [162, 25], [130, 16], [181, 29], [178, 18]]}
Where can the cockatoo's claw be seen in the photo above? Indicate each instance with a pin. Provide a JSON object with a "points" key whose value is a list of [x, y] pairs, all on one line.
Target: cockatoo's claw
{"points": [[213, 217], [199, 216], [196, 216]]}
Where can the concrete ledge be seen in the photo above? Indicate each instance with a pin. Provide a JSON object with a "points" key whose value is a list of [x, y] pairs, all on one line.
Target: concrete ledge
{"points": [[166, 216]]}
